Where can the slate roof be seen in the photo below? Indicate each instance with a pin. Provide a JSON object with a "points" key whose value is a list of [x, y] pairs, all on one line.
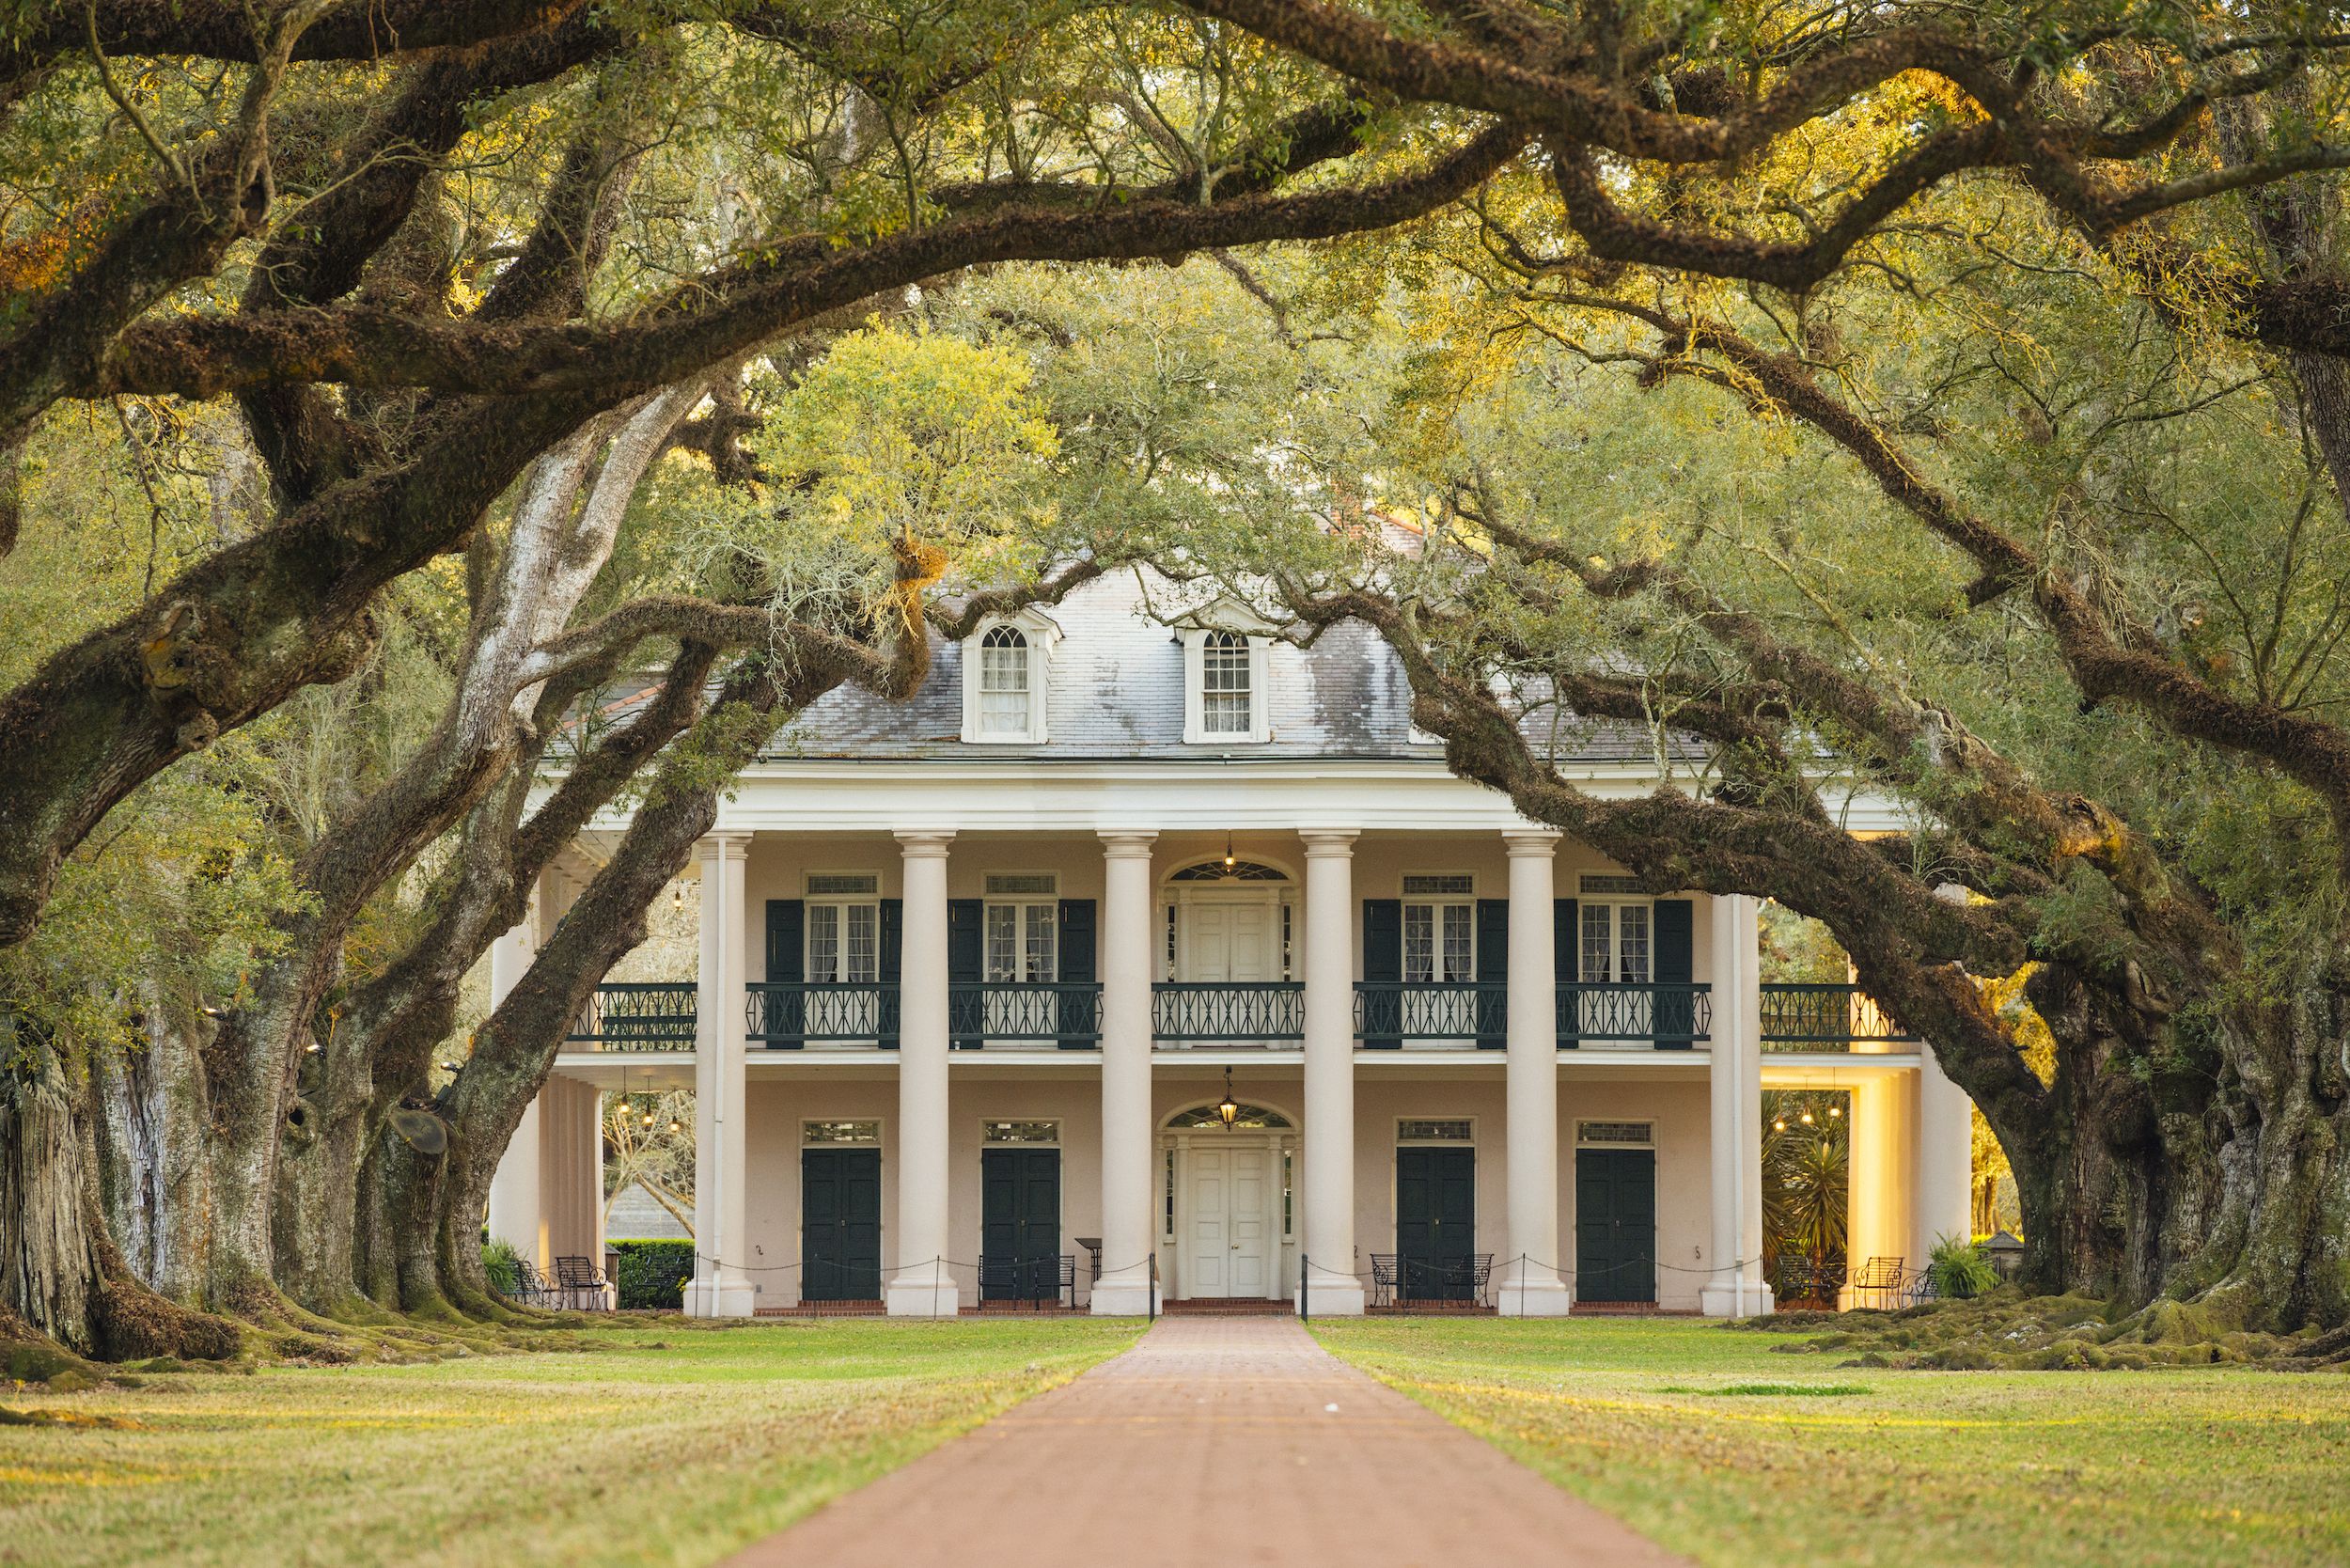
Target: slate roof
{"points": [[1115, 692]]}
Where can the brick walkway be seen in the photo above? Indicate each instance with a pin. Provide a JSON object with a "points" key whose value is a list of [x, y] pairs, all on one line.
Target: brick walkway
{"points": [[1211, 1442]]}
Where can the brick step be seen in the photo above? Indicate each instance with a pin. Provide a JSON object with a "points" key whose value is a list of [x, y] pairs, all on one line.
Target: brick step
{"points": [[1227, 1307]]}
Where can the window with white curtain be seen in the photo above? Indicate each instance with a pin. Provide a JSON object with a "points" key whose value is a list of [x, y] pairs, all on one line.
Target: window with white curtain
{"points": [[843, 936], [1225, 697], [1439, 929], [1615, 943], [1005, 682], [1006, 699], [1020, 928]]}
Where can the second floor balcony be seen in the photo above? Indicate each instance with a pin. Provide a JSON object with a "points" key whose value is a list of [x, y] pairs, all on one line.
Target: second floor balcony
{"points": [[1186, 1015]]}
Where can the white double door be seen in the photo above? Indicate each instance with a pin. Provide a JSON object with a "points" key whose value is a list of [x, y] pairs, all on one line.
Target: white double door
{"points": [[1231, 938], [1231, 1187]]}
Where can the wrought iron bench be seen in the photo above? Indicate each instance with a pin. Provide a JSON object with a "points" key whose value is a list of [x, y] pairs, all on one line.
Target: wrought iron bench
{"points": [[1033, 1280], [1382, 1279], [581, 1287], [1880, 1282], [1802, 1280], [1918, 1289], [1473, 1275], [531, 1287]]}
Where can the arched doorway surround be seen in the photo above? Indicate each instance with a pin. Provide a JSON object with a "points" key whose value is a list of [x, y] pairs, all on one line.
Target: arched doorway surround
{"points": [[1227, 1206]]}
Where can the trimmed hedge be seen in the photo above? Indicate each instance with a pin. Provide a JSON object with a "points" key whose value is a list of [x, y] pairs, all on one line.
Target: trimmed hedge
{"points": [[652, 1274]]}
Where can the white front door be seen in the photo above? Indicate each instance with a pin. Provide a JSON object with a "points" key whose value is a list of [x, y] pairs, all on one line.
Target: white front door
{"points": [[1231, 1232], [1233, 941]]}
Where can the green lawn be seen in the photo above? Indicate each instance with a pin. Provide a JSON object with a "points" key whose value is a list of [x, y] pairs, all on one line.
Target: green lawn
{"points": [[1693, 1433], [661, 1444]]}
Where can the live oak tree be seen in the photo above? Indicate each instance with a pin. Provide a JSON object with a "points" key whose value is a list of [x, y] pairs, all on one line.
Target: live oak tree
{"points": [[423, 250], [1578, 510], [390, 246]]}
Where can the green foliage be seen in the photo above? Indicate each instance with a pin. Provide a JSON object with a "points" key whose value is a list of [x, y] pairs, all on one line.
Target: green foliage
{"points": [[502, 1264], [1807, 1165], [652, 1274], [1960, 1269]]}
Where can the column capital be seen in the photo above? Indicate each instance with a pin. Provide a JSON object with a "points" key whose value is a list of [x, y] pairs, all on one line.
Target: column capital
{"points": [[1122, 844], [729, 845], [1543, 841], [925, 843], [1328, 843]]}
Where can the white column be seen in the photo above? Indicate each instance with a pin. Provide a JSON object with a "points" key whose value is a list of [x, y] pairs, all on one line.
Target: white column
{"points": [[1754, 1298], [517, 1206], [1128, 1131], [721, 1287], [1946, 1158], [1329, 1130], [1735, 1287], [923, 1287], [1531, 1286]]}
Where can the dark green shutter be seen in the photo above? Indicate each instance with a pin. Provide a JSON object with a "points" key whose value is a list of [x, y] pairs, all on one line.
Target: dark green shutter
{"points": [[1566, 952], [1493, 968], [1080, 1011], [787, 941], [783, 1015], [888, 965], [1676, 1012], [1383, 940], [1383, 961], [965, 963]]}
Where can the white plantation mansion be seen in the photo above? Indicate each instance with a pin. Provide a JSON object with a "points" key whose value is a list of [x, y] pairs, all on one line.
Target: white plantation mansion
{"points": [[1130, 951]]}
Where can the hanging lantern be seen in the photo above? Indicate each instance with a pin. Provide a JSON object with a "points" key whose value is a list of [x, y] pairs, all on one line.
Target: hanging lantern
{"points": [[1778, 1126], [1229, 862], [1227, 1108], [1807, 1119], [677, 895], [1835, 1113]]}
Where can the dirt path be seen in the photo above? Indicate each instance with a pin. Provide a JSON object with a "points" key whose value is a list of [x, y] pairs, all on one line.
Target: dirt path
{"points": [[1214, 1440]]}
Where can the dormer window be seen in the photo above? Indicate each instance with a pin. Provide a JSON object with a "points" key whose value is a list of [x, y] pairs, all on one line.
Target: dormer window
{"points": [[1224, 688], [1004, 694], [1003, 685], [1225, 693]]}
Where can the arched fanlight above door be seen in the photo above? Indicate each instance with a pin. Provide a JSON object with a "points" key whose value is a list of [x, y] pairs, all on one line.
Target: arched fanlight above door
{"points": [[1204, 1117], [1239, 871]]}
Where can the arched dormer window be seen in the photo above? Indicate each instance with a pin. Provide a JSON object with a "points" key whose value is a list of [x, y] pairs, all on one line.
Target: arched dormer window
{"points": [[1003, 682], [1004, 694], [1224, 688]]}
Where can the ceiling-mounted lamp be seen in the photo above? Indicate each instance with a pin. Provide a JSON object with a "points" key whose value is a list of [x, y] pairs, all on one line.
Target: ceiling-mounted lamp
{"points": [[1227, 1108], [1229, 862]]}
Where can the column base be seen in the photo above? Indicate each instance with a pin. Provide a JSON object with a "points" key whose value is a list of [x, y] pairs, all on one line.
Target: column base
{"points": [[1749, 1298], [922, 1295], [719, 1298], [1533, 1297], [1335, 1298], [1124, 1298]]}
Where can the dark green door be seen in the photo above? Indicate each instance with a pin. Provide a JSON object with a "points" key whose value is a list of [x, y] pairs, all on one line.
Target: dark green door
{"points": [[1019, 1224], [1436, 1222], [841, 1225], [1615, 1224]]}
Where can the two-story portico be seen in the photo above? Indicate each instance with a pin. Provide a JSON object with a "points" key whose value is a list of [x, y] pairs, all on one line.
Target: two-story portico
{"points": [[1174, 952]]}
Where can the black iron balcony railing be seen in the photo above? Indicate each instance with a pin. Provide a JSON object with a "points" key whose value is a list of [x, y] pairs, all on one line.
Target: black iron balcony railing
{"points": [[1389, 1014], [1824, 1018], [1670, 1016], [790, 1016], [638, 1016], [1068, 1014], [1228, 1012]]}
